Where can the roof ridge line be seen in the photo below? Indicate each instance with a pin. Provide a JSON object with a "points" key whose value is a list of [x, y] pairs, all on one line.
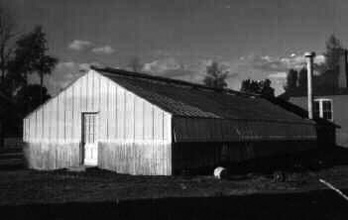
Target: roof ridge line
{"points": [[111, 71]]}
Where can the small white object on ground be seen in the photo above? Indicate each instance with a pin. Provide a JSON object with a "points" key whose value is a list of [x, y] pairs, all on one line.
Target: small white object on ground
{"points": [[219, 172]]}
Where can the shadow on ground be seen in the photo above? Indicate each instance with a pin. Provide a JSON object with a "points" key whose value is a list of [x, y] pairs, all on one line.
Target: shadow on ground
{"points": [[311, 160], [322, 204]]}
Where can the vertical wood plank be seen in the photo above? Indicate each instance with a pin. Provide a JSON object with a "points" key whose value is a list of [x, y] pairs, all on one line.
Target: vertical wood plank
{"points": [[89, 90], [111, 111], [42, 128], [89, 94], [103, 109], [138, 119], [53, 119], [158, 124], [167, 127], [45, 121], [120, 113], [32, 127], [114, 122], [28, 127], [107, 108], [83, 93], [96, 92], [77, 110], [37, 125], [148, 121], [72, 112], [68, 114], [129, 116], [61, 115], [24, 130]]}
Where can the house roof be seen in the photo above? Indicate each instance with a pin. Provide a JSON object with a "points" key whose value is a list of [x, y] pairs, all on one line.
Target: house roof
{"points": [[316, 92], [186, 99]]}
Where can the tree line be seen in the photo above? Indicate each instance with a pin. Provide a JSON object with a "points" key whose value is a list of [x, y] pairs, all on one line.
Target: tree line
{"points": [[216, 77], [21, 55], [325, 81]]}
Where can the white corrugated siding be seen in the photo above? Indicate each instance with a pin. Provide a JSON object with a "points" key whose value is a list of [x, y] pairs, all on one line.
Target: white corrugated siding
{"points": [[123, 116]]}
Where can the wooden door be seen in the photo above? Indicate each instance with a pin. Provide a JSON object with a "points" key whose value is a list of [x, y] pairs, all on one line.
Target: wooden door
{"points": [[90, 139]]}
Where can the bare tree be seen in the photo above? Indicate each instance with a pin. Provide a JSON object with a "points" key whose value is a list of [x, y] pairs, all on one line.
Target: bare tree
{"points": [[7, 34]]}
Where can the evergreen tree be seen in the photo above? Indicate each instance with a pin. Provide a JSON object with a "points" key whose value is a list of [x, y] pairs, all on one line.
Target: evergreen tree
{"points": [[333, 53], [302, 81], [291, 81]]}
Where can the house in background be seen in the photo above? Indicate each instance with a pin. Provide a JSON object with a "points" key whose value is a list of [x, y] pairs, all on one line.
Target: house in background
{"points": [[331, 105], [140, 124]]}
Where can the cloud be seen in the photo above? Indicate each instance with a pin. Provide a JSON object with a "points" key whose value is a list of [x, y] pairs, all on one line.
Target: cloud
{"points": [[79, 45], [319, 59], [72, 66], [62, 65], [279, 75], [161, 65], [193, 71], [269, 64], [103, 50], [171, 68], [278, 81]]}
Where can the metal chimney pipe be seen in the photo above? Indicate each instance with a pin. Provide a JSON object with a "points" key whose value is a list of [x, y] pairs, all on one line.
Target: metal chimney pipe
{"points": [[309, 58]]}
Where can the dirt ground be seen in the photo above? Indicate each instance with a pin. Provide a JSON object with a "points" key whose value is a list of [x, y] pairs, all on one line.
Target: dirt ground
{"points": [[98, 193], [27, 186]]}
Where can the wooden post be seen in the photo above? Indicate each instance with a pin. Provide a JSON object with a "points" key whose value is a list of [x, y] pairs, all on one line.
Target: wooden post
{"points": [[309, 57]]}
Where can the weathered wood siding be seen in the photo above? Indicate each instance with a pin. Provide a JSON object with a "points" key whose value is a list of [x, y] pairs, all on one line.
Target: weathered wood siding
{"points": [[127, 125]]}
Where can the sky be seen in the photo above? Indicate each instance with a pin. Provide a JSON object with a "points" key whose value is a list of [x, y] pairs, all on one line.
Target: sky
{"points": [[179, 38]]}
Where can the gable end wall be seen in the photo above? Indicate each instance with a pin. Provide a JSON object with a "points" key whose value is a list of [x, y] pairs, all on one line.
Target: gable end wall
{"points": [[134, 135]]}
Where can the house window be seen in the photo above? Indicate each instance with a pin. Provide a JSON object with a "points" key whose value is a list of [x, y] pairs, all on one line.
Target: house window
{"points": [[323, 109]]}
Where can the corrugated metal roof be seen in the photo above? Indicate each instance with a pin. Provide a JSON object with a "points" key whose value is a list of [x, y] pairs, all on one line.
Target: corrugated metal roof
{"points": [[215, 130], [193, 100]]}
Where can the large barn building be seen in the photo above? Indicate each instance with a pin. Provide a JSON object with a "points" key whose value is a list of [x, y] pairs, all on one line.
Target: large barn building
{"points": [[139, 124]]}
